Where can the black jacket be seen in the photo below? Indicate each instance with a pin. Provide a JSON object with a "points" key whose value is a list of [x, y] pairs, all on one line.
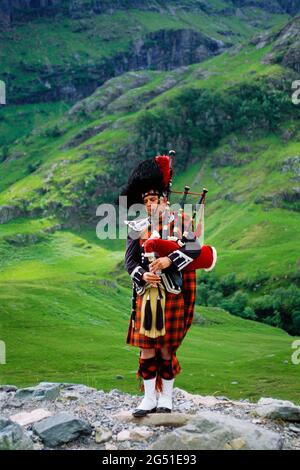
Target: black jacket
{"points": [[136, 264]]}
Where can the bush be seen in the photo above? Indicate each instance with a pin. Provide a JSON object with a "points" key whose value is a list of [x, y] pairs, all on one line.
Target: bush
{"points": [[32, 167], [201, 118], [281, 308], [53, 131]]}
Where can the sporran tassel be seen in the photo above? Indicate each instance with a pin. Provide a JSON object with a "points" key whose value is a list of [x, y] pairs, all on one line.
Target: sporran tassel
{"points": [[159, 312], [148, 315]]}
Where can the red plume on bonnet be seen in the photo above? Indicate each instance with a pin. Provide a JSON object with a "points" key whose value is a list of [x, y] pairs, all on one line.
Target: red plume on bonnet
{"points": [[163, 162]]}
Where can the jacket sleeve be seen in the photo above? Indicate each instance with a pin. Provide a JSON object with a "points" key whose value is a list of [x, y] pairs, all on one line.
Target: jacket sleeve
{"points": [[186, 254], [133, 261]]}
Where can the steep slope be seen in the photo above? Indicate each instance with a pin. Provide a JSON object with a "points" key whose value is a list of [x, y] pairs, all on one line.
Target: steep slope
{"points": [[63, 50], [250, 162], [64, 295], [81, 159]]}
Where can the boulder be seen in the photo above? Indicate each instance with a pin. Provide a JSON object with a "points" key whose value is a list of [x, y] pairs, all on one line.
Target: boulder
{"points": [[43, 391], [216, 431], [8, 388], [12, 436], [278, 409], [24, 418], [61, 428], [154, 419]]}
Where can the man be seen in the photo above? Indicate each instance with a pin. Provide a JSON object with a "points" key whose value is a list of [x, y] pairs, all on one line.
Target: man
{"points": [[163, 294]]}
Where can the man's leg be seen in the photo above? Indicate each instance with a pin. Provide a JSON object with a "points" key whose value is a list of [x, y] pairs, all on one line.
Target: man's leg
{"points": [[147, 370], [147, 353], [164, 404]]}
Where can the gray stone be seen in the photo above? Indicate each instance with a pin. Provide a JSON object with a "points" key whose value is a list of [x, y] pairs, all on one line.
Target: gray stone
{"points": [[43, 391], [8, 388], [215, 431], [102, 435], [278, 409], [12, 436], [295, 429], [61, 428], [78, 388], [154, 419], [26, 418]]}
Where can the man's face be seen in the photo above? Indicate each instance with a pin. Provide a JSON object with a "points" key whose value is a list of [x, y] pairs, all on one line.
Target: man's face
{"points": [[154, 204]]}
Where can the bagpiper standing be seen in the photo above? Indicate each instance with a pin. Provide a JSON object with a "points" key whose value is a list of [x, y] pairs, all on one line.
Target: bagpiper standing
{"points": [[163, 292]]}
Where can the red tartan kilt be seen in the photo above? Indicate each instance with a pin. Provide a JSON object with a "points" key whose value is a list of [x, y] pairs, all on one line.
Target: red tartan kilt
{"points": [[179, 311]]}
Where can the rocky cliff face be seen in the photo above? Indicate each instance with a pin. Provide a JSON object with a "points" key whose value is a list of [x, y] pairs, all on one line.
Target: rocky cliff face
{"points": [[286, 49], [14, 10], [160, 50], [75, 78], [274, 6]]}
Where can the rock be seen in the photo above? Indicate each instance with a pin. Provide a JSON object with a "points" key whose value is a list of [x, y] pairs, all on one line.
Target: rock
{"points": [[61, 428], [287, 198], [136, 434], [286, 47], [278, 409], [34, 416], [123, 436], [109, 446], [292, 164], [71, 396], [12, 436], [215, 431], [140, 434], [159, 419], [102, 435], [8, 213], [294, 429], [8, 388], [208, 401], [235, 444], [43, 391]]}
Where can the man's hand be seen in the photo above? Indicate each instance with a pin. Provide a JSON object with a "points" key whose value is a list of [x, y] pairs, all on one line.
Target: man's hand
{"points": [[160, 263], [151, 278]]}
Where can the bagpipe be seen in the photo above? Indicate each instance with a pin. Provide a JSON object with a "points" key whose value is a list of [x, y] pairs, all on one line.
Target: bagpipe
{"points": [[157, 246]]}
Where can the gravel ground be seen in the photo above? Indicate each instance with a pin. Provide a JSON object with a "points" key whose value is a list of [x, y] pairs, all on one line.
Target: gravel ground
{"points": [[98, 408]]}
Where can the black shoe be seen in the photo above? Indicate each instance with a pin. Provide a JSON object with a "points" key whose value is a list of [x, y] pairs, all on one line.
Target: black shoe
{"points": [[139, 413], [163, 410]]}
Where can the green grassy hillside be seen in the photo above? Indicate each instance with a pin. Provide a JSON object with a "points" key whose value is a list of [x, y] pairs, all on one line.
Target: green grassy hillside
{"points": [[42, 58], [64, 298], [64, 315], [69, 165]]}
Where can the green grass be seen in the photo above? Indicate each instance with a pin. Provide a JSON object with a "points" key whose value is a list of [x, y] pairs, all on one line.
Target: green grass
{"points": [[64, 317], [64, 307], [36, 53]]}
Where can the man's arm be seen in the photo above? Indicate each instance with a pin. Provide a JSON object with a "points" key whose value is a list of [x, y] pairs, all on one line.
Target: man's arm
{"points": [[132, 261]]}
